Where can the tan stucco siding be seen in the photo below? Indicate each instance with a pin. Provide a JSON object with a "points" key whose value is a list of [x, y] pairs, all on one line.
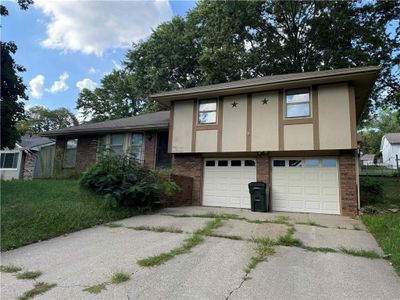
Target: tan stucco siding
{"points": [[334, 117], [206, 140], [264, 125], [234, 127], [298, 137], [182, 127]]}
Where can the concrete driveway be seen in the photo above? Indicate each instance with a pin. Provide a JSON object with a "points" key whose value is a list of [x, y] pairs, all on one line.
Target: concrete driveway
{"points": [[317, 268]]}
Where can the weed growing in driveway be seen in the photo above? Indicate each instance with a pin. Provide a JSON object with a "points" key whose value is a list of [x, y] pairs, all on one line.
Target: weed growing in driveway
{"points": [[288, 239], [10, 269], [224, 236], [120, 277], [29, 275], [113, 225], [196, 239], [311, 223], [157, 229], [319, 249], [96, 289], [265, 247], [355, 227], [39, 288], [363, 253]]}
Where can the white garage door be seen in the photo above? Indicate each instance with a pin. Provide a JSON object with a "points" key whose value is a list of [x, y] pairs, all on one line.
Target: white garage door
{"points": [[226, 182], [305, 185]]}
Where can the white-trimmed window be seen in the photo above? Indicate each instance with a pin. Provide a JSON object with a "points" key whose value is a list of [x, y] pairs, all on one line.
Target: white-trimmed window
{"points": [[298, 103], [137, 147], [9, 160], [207, 111], [117, 144], [70, 153]]}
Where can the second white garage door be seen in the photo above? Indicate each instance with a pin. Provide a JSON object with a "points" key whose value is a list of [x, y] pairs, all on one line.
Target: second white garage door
{"points": [[305, 185], [226, 182]]}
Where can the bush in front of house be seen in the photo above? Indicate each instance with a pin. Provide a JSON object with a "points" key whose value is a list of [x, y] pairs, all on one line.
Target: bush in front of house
{"points": [[370, 190], [124, 182]]}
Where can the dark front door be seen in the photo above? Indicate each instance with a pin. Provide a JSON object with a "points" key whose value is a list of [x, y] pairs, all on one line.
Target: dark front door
{"points": [[163, 159]]}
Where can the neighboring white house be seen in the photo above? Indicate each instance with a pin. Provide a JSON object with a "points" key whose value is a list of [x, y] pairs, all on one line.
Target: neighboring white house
{"points": [[26, 161], [367, 159], [390, 147]]}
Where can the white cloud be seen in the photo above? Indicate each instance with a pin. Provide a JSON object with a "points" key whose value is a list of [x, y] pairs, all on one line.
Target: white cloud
{"points": [[36, 86], [92, 70], [86, 84], [59, 85], [92, 27]]}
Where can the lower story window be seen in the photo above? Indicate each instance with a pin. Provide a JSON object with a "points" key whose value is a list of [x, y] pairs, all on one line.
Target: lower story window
{"points": [[9, 160], [70, 153], [137, 147]]}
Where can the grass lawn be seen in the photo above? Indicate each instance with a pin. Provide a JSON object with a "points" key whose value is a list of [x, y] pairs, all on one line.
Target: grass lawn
{"points": [[41, 209], [386, 227]]}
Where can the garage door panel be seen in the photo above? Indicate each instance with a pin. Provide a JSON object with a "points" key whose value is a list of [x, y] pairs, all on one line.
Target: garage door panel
{"points": [[305, 189], [227, 185]]}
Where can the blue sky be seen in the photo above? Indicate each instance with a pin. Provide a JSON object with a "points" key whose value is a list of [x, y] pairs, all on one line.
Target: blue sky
{"points": [[61, 43]]}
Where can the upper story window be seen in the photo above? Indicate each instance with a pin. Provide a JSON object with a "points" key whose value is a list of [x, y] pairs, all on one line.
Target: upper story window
{"points": [[9, 160], [208, 111], [137, 148], [70, 153], [117, 144], [298, 103]]}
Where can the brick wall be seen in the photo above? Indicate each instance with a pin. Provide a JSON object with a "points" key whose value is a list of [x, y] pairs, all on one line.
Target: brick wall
{"points": [[348, 184], [190, 165], [184, 196], [150, 143], [263, 169], [29, 162]]}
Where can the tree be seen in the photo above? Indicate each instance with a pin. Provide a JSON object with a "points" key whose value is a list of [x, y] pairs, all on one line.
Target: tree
{"points": [[40, 119], [12, 88], [376, 127], [221, 41], [115, 98]]}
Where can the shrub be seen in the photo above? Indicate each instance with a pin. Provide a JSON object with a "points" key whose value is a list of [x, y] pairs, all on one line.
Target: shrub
{"points": [[124, 182], [370, 190]]}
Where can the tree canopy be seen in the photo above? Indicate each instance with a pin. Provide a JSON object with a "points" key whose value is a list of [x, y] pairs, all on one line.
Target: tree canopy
{"points": [[220, 41], [40, 119], [13, 90]]}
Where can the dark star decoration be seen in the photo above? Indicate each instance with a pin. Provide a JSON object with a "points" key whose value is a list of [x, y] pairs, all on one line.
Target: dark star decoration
{"points": [[265, 101], [234, 104]]}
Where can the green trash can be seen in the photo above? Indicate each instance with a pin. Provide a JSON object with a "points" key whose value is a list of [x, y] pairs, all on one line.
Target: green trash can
{"points": [[259, 193]]}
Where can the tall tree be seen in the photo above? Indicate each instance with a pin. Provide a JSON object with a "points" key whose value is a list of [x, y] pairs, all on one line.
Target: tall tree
{"points": [[13, 90], [115, 98], [40, 119]]}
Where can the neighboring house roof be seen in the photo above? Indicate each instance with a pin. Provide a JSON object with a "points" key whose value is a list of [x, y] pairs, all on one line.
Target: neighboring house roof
{"points": [[367, 157], [362, 78], [392, 138], [30, 141], [157, 120]]}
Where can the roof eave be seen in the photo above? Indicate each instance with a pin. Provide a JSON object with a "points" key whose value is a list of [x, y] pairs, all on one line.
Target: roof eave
{"points": [[78, 132]]}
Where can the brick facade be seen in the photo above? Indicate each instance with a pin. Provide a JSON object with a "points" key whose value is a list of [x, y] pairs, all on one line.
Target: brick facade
{"points": [[184, 197], [190, 165], [348, 184], [150, 144], [263, 169]]}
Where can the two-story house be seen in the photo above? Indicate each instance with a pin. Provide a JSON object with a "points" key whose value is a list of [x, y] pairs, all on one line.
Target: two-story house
{"points": [[296, 132]]}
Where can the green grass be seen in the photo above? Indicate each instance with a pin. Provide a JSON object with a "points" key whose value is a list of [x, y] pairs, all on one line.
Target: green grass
{"points": [[391, 192], [196, 239], [360, 252], [29, 275], [386, 229], [35, 210], [96, 289], [10, 269], [265, 248], [39, 288], [120, 277], [157, 229]]}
